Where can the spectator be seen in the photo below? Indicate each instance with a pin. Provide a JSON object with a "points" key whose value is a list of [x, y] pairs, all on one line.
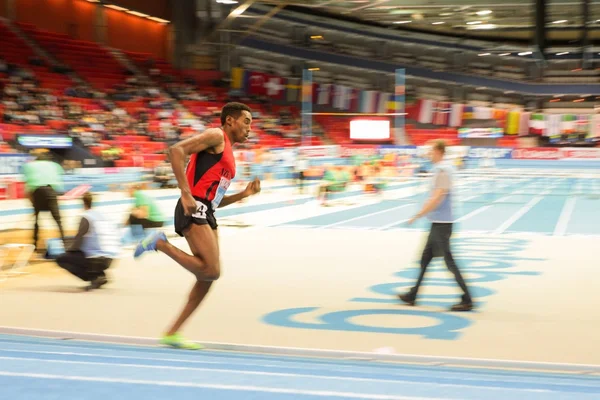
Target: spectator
{"points": [[93, 249]]}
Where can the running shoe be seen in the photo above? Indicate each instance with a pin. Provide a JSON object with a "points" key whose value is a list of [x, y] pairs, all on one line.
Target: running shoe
{"points": [[179, 342], [149, 243]]}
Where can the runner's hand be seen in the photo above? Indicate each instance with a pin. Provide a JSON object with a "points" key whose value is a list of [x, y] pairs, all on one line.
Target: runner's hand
{"points": [[189, 204], [252, 188]]}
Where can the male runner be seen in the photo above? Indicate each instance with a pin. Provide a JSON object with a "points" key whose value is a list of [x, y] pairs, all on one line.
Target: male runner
{"points": [[203, 185]]}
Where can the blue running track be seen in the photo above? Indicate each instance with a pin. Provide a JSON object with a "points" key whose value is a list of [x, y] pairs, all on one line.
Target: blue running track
{"points": [[34, 368]]}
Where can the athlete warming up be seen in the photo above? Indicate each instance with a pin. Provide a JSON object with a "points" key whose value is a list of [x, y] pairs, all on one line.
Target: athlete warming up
{"points": [[203, 184]]}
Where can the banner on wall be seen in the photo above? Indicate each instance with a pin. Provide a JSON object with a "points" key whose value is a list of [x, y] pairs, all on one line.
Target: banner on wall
{"points": [[353, 150], [581, 153], [319, 151], [490, 152], [10, 164], [480, 132], [543, 153]]}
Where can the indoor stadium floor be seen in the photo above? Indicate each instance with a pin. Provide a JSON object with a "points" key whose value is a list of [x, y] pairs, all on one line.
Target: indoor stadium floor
{"points": [[298, 275]]}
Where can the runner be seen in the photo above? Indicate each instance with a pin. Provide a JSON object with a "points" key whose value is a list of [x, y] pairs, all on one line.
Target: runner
{"points": [[203, 185]]}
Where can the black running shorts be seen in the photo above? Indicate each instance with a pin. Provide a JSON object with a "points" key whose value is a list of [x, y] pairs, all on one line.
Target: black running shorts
{"points": [[204, 216]]}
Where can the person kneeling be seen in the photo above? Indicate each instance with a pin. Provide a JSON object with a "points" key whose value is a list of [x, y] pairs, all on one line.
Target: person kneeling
{"points": [[93, 249]]}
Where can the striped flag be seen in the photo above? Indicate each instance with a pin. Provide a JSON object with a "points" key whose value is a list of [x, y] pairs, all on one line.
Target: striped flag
{"points": [[524, 123], [553, 125], [568, 124], [384, 99], [368, 101], [426, 109], [537, 123], [324, 94], [456, 114], [442, 113]]}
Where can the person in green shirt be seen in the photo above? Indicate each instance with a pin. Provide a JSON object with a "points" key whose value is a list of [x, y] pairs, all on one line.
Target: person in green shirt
{"points": [[146, 211], [335, 180], [43, 179]]}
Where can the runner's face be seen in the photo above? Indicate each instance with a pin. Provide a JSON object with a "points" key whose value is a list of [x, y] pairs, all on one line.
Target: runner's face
{"points": [[242, 127]]}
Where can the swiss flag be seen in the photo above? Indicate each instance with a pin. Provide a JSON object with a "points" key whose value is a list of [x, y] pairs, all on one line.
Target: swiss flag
{"points": [[275, 87], [256, 84]]}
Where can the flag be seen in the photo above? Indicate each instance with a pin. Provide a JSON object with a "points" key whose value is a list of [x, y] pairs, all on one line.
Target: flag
{"points": [[342, 99], [426, 108], [384, 99], [524, 123], [275, 87], [237, 78], [537, 123], [456, 114], [553, 125], [442, 113], [482, 113], [500, 116], [293, 90], [567, 126], [324, 94], [512, 122], [595, 130], [256, 84], [368, 101], [468, 112]]}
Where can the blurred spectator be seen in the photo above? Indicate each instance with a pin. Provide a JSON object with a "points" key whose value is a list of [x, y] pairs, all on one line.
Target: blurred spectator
{"points": [[93, 249]]}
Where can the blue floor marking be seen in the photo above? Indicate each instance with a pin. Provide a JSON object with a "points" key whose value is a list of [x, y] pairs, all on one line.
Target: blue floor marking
{"points": [[542, 218], [26, 372], [106, 203], [586, 217]]}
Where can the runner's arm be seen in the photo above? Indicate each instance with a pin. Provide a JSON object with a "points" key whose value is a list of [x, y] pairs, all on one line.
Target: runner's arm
{"points": [[234, 198], [178, 153], [252, 188]]}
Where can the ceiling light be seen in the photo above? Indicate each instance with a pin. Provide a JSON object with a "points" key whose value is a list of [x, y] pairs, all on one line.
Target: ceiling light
{"points": [[314, 69], [562, 54], [525, 53], [227, 1], [115, 7], [474, 23], [155, 19], [238, 11], [316, 37], [560, 21], [484, 54], [403, 22], [446, 14], [482, 26], [504, 54], [137, 14], [484, 12], [438, 23]]}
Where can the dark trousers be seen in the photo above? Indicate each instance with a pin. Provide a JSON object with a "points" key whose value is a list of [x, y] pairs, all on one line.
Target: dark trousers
{"points": [[44, 198], [145, 223], [86, 269], [438, 243]]}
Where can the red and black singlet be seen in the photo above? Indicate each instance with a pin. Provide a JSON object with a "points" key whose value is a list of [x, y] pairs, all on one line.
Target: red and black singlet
{"points": [[209, 175]]}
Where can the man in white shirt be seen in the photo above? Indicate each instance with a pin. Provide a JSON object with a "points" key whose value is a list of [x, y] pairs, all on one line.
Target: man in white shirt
{"points": [[93, 249], [438, 209]]}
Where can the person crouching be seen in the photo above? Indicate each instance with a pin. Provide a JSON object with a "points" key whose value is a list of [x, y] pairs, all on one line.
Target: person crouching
{"points": [[93, 249]]}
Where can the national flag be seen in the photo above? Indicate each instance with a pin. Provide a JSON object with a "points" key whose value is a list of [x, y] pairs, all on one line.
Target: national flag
{"points": [[456, 114]]}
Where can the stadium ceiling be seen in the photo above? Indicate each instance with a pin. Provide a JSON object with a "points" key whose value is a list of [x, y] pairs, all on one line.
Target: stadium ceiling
{"points": [[453, 15]]}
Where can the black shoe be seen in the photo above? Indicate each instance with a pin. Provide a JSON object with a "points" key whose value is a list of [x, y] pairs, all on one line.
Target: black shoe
{"points": [[97, 283], [462, 306], [407, 298]]}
